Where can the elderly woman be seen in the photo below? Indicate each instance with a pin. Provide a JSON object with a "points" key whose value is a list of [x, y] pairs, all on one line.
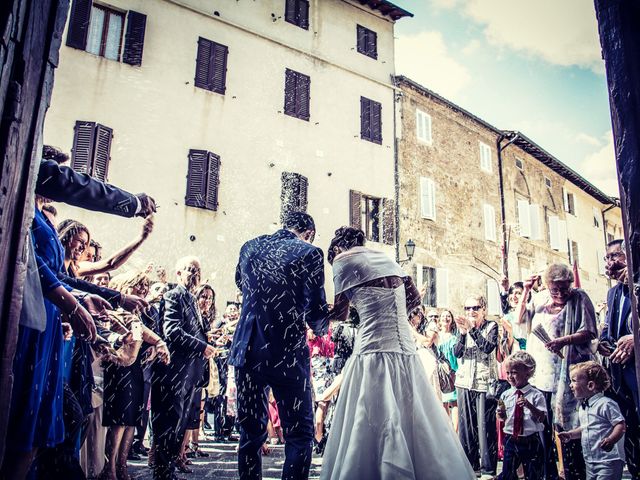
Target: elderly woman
{"points": [[124, 403], [564, 316], [477, 369]]}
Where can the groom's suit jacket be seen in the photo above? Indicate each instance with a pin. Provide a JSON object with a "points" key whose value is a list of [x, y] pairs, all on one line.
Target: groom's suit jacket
{"points": [[282, 283]]}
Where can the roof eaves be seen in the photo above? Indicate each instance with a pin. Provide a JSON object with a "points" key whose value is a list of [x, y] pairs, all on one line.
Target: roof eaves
{"points": [[387, 8]]}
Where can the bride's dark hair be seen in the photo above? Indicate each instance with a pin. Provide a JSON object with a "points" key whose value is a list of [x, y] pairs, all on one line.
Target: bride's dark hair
{"points": [[346, 238]]}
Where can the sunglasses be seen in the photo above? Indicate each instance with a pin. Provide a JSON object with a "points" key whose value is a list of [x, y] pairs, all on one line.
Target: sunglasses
{"points": [[475, 308]]}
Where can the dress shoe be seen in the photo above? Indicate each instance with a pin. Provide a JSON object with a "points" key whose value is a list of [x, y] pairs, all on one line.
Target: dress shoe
{"points": [[133, 456]]}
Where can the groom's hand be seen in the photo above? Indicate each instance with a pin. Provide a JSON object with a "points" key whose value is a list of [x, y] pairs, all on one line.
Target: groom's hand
{"points": [[209, 351]]}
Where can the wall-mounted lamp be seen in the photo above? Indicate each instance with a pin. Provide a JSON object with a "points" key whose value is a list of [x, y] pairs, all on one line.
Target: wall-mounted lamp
{"points": [[410, 249]]}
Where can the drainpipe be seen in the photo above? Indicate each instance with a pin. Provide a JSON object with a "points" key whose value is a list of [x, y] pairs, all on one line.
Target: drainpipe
{"points": [[396, 172], [604, 231], [505, 246]]}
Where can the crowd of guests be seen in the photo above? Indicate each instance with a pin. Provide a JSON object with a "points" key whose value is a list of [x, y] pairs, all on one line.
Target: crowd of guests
{"points": [[111, 357]]}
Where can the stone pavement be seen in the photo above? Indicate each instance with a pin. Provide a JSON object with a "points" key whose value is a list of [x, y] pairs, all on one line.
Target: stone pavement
{"points": [[222, 464]]}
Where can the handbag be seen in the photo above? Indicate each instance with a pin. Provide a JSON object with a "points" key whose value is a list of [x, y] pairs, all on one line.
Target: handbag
{"points": [[446, 374]]}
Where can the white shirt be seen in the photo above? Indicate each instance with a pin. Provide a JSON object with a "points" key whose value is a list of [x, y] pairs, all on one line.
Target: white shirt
{"points": [[535, 397], [597, 420]]}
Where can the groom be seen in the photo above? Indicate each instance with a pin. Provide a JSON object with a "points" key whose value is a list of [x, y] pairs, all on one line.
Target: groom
{"points": [[282, 281]]}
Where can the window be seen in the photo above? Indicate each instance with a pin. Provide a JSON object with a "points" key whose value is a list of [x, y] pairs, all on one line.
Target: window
{"points": [[297, 12], [211, 66], [427, 198], [529, 220], [367, 42], [569, 202], [423, 127], [489, 223], [442, 287], [203, 180], [547, 182], [296, 94], [370, 120], [98, 30], [294, 194], [375, 216], [91, 150], [519, 164], [557, 233], [427, 277], [596, 217], [610, 237], [485, 157], [574, 254]]}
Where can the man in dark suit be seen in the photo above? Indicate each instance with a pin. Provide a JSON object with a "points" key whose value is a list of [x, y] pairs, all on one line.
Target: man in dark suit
{"points": [[282, 281], [618, 334], [172, 385]]}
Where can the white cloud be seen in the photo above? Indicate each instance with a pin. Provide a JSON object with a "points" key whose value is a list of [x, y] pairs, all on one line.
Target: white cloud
{"points": [[599, 168], [444, 3], [424, 58], [471, 47], [560, 32], [588, 139]]}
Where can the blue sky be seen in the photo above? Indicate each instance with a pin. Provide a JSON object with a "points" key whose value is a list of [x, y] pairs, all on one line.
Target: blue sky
{"points": [[533, 66]]}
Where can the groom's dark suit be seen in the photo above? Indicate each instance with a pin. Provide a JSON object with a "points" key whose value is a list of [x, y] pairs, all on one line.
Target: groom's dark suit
{"points": [[282, 282]]}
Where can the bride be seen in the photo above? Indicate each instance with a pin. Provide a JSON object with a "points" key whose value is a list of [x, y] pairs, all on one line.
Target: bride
{"points": [[388, 423]]}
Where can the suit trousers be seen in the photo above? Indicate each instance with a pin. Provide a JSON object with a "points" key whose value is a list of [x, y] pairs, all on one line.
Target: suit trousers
{"points": [[526, 451], [293, 397], [171, 392], [477, 429]]}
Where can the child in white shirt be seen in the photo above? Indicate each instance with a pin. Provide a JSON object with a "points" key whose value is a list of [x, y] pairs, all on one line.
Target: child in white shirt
{"points": [[602, 426]]}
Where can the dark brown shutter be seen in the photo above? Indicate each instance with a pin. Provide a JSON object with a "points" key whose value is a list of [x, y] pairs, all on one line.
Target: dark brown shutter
{"points": [[82, 151], [102, 152], [290, 11], [372, 44], [79, 24], [290, 82], [213, 181], [365, 118], [355, 208], [388, 221], [361, 35], [134, 39], [303, 14], [196, 178], [218, 68], [302, 96], [203, 60], [376, 122], [303, 187], [429, 278]]}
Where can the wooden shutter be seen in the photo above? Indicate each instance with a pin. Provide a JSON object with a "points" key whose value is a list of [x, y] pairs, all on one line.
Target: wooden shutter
{"points": [[290, 11], [134, 39], [489, 222], [376, 122], [372, 44], [203, 59], [524, 218], [427, 198], [218, 68], [442, 287], [102, 152], [82, 151], [361, 39], [196, 178], [213, 181], [554, 234], [303, 85], [79, 24], [290, 82], [302, 193], [429, 277], [355, 209], [303, 14], [388, 221], [365, 118], [493, 297], [536, 233]]}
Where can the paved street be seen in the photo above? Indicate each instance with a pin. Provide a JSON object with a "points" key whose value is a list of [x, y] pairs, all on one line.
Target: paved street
{"points": [[221, 464]]}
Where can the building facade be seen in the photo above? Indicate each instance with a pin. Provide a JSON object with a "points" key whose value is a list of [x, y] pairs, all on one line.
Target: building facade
{"points": [[230, 114], [477, 201]]}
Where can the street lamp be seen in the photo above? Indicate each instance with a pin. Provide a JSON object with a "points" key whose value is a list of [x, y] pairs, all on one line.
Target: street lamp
{"points": [[410, 248]]}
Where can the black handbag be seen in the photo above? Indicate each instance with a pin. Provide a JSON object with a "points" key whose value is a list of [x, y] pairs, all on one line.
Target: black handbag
{"points": [[446, 374]]}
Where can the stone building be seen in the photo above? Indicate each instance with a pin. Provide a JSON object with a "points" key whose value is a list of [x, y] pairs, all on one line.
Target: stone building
{"points": [[230, 113], [478, 201]]}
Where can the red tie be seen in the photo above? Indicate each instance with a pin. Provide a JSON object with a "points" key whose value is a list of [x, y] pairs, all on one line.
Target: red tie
{"points": [[518, 416]]}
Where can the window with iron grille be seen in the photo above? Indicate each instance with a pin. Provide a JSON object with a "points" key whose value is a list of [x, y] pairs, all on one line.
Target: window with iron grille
{"points": [[294, 194], [375, 216], [297, 94], [367, 42], [211, 66], [203, 180], [370, 120], [99, 30], [91, 152], [297, 13]]}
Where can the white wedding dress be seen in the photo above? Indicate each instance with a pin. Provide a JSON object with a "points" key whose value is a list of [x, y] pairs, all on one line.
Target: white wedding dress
{"points": [[388, 423]]}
